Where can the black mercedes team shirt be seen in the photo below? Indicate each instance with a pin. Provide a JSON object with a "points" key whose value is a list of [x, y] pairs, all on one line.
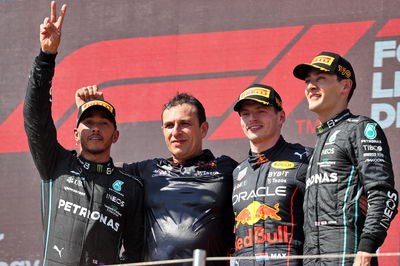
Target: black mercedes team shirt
{"points": [[267, 201], [351, 159], [188, 206], [89, 210]]}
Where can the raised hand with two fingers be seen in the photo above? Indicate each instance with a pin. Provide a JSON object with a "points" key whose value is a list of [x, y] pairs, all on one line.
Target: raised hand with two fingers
{"points": [[50, 30]]}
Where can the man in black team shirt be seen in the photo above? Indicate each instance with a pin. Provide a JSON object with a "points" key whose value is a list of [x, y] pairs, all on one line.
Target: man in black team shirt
{"points": [[269, 185], [351, 159], [188, 196], [90, 209]]}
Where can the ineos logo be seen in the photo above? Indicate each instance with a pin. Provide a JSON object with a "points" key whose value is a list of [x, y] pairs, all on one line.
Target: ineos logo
{"points": [[328, 151]]}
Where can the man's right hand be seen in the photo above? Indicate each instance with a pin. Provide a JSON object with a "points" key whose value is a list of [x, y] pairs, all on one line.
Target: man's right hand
{"points": [[50, 30], [86, 94]]}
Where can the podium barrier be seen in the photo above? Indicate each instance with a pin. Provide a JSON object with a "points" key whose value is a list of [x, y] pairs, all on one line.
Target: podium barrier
{"points": [[200, 258]]}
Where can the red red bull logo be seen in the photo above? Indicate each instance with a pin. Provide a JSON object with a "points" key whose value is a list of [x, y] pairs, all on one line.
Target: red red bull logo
{"points": [[256, 211], [259, 235]]}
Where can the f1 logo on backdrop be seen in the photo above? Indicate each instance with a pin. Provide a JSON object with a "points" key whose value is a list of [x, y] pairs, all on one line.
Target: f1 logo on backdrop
{"points": [[140, 74]]}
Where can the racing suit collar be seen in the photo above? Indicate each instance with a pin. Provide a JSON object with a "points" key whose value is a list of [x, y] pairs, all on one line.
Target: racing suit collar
{"points": [[333, 122], [205, 157], [257, 159], [93, 167]]}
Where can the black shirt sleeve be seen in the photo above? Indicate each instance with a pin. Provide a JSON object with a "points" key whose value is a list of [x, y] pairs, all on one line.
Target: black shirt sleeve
{"points": [[133, 236], [377, 178], [39, 125]]}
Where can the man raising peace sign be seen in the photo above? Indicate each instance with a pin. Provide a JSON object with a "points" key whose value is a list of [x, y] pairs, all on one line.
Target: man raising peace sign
{"points": [[90, 209]]}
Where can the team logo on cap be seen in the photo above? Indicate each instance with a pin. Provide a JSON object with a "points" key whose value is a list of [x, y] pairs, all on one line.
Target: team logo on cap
{"points": [[255, 91], [323, 59], [344, 71]]}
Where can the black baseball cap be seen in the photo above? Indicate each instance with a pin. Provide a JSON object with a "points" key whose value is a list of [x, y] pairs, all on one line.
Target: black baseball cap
{"points": [[328, 62], [97, 103], [260, 93]]}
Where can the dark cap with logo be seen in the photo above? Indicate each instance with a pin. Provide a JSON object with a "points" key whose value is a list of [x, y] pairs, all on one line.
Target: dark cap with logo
{"points": [[83, 110], [260, 93], [328, 62]]}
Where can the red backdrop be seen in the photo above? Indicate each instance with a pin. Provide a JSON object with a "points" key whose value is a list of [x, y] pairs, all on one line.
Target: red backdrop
{"points": [[142, 52]]}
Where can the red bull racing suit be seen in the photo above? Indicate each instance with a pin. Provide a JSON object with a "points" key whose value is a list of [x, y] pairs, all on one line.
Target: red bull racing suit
{"points": [[188, 206], [89, 210], [351, 158], [267, 201]]}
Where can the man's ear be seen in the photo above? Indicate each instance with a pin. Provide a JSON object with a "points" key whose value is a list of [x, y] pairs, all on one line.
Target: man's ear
{"points": [[348, 83], [204, 129], [282, 117], [76, 136], [115, 136]]}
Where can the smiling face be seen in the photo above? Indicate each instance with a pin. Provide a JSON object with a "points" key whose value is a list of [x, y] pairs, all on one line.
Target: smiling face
{"points": [[95, 134], [326, 95], [182, 133], [261, 124]]}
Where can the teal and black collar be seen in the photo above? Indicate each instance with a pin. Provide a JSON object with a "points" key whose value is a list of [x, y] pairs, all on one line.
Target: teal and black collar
{"points": [[93, 167], [333, 122]]}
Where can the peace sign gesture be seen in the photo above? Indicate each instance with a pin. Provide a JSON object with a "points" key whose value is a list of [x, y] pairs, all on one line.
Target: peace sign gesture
{"points": [[50, 30]]}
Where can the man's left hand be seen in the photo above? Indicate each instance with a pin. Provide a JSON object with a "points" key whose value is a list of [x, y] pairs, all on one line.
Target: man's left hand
{"points": [[362, 259]]}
